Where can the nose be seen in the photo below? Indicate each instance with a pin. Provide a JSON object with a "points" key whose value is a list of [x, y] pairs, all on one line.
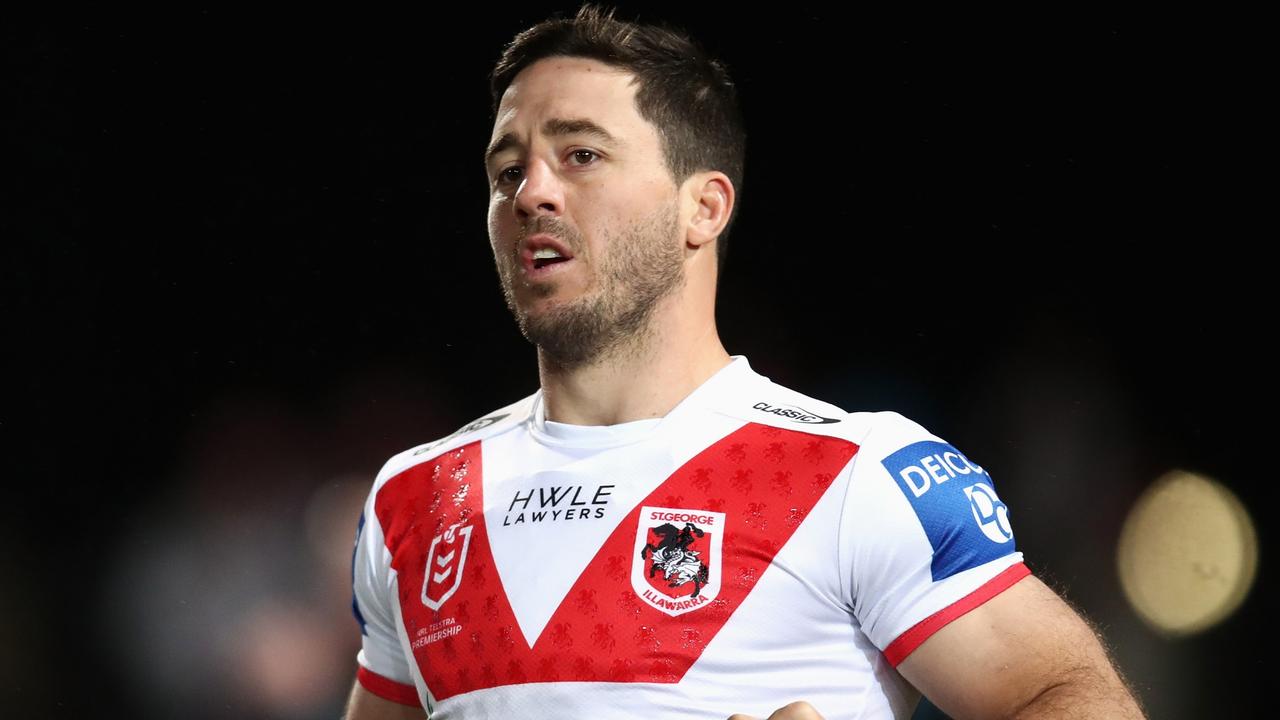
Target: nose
{"points": [[540, 192]]}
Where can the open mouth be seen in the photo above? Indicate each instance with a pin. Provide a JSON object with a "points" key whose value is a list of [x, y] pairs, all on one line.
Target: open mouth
{"points": [[539, 263], [541, 254]]}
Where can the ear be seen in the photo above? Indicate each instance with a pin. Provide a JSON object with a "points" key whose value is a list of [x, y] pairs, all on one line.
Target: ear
{"points": [[710, 195]]}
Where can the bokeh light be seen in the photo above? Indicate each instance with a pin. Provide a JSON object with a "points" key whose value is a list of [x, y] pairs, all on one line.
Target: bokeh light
{"points": [[1188, 554]]}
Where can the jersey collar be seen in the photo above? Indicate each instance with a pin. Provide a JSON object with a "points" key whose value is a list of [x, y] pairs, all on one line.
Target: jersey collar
{"points": [[710, 393]]}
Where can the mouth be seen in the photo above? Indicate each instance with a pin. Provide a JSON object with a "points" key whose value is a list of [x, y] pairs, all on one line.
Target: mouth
{"points": [[538, 268], [543, 255]]}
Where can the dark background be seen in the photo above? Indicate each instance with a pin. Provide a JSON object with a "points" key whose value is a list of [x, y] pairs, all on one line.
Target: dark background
{"points": [[245, 261]]}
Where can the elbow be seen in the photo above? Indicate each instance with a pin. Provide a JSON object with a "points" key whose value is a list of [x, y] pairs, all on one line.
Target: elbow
{"points": [[1084, 693]]}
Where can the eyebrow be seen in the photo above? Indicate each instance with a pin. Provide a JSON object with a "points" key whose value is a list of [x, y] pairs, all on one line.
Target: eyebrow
{"points": [[555, 127]]}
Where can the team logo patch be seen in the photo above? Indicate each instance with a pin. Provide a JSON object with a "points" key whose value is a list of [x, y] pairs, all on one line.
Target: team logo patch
{"points": [[956, 503], [445, 560], [676, 565]]}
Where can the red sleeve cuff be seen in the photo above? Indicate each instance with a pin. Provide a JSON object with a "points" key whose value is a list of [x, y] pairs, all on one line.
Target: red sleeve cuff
{"points": [[908, 641], [388, 689]]}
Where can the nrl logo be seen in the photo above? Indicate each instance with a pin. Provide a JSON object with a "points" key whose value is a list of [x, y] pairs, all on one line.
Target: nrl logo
{"points": [[444, 566], [676, 565]]}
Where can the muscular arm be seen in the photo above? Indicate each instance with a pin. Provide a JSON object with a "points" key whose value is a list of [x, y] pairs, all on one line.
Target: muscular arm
{"points": [[364, 705], [1023, 654]]}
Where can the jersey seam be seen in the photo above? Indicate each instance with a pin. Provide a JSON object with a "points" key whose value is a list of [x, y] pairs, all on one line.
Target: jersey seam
{"points": [[846, 579]]}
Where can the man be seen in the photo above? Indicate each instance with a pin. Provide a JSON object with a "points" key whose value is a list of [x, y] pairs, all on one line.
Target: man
{"points": [[659, 531]]}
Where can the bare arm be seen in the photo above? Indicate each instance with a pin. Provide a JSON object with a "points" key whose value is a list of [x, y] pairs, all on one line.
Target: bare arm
{"points": [[364, 705], [1022, 654]]}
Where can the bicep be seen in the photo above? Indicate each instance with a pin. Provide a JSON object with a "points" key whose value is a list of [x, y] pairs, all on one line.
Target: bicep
{"points": [[998, 657], [364, 705]]}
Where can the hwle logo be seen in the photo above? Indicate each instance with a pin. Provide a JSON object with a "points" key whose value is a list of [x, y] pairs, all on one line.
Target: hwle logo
{"points": [[558, 502], [955, 500]]}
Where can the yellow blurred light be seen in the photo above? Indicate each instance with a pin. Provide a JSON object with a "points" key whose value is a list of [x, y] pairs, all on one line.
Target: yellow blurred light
{"points": [[1188, 554]]}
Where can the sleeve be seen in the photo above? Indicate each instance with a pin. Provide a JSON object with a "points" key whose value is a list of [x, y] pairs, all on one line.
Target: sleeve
{"points": [[923, 537], [382, 668]]}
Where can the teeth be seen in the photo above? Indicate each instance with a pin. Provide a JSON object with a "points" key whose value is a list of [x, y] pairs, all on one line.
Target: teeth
{"points": [[544, 253]]}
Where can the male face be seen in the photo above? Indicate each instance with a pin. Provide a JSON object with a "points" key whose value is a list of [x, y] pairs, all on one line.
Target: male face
{"points": [[574, 171]]}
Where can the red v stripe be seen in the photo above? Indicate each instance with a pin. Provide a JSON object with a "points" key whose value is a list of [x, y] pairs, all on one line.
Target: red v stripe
{"points": [[764, 479]]}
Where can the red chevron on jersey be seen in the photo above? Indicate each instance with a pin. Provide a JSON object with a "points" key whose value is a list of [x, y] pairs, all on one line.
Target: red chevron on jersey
{"points": [[699, 542]]}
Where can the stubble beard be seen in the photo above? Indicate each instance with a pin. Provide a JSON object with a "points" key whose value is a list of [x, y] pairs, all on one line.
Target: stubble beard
{"points": [[641, 266]]}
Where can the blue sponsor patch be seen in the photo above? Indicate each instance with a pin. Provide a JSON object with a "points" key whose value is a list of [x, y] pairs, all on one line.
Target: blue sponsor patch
{"points": [[956, 503]]}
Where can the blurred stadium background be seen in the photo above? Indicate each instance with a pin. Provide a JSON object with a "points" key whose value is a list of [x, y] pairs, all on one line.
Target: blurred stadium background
{"points": [[245, 261]]}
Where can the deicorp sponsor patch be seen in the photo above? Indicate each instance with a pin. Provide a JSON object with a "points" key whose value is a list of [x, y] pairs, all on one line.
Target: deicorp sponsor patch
{"points": [[956, 503]]}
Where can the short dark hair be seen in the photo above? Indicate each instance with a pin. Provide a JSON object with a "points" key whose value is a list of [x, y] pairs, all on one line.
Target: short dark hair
{"points": [[682, 91]]}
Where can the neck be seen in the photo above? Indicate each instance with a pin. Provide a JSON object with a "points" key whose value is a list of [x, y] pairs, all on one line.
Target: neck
{"points": [[645, 378]]}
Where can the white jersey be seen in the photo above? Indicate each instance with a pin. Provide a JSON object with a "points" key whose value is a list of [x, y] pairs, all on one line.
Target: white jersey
{"points": [[752, 548]]}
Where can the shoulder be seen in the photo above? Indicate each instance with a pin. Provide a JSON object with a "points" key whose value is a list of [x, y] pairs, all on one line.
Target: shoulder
{"points": [[889, 431], [758, 399], [885, 438], [907, 477], [767, 402], [914, 457], [486, 426]]}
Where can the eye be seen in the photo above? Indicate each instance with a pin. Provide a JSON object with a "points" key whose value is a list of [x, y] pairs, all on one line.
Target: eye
{"points": [[581, 153], [578, 158]]}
